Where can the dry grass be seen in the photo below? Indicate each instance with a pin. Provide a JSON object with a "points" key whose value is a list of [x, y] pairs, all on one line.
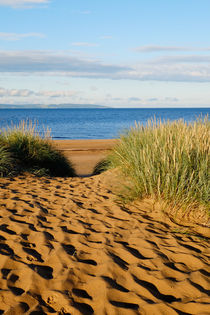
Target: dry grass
{"points": [[167, 161], [6, 162], [33, 151]]}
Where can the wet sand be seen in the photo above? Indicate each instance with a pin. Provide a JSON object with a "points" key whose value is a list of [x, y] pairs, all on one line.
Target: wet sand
{"points": [[67, 246]]}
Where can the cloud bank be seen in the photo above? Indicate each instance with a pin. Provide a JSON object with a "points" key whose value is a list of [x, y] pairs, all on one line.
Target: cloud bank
{"points": [[191, 68], [84, 44], [15, 92], [22, 3], [26, 93], [27, 97], [15, 36], [154, 48], [64, 64]]}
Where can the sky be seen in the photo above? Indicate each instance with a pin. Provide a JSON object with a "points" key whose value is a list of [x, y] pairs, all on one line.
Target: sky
{"points": [[117, 53]]}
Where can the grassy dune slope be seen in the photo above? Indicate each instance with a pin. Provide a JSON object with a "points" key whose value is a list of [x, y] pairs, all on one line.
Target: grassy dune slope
{"points": [[28, 150], [167, 161]]}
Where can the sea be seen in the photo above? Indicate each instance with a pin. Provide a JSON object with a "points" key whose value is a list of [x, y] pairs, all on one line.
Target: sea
{"points": [[101, 123]]}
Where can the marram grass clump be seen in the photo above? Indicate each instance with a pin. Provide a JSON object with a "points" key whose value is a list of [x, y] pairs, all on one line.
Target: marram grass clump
{"points": [[33, 152], [101, 167], [6, 162], [167, 161]]}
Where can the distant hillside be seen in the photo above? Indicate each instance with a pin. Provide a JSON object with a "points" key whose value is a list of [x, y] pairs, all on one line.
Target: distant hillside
{"points": [[25, 106]]}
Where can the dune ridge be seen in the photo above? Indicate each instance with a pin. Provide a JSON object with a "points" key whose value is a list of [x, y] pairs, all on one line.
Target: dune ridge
{"points": [[68, 247]]}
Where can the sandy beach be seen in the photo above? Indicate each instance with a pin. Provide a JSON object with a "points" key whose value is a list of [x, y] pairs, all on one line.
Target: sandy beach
{"points": [[85, 154], [68, 246]]}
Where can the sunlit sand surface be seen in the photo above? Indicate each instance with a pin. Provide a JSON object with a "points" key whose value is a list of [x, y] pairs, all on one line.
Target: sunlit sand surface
{"points": [[85, 154], [67, 246]]}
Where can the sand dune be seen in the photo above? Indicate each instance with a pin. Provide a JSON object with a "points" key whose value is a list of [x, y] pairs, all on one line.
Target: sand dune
{"points": [[68, 247]]}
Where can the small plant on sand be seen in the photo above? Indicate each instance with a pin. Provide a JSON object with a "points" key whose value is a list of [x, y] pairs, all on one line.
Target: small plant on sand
{"points": [[167, 161], [34, 152]]}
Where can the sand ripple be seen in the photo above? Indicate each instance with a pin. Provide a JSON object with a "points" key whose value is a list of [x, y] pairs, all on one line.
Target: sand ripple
{"points": [[67, 247]]}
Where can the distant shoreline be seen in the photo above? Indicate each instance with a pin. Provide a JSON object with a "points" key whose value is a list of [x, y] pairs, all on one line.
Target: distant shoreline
{"points": [[12, 107], [51, 106]]}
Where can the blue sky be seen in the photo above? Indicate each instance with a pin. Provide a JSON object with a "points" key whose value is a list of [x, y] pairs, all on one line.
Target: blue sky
{"points": [[119, 53]]}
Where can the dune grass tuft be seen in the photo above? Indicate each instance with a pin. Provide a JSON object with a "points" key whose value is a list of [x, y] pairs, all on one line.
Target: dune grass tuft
{"points": [[34, 152], [6, 162], [167, 161], [101, 166]]}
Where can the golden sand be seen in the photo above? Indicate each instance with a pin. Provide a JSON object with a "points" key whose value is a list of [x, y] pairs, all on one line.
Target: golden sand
{"points": [[85, 154], [68, 247]]}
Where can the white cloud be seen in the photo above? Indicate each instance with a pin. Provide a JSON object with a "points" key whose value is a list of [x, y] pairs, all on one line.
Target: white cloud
{"points": [[153, 100], [45, 98], [93, 88], [59, 63], [56, 93], [15, 92], [15, 36], [173, 71], [134, 99], [84, 44], [26, 93], [178, 68], [22, 3], [183, 59], [156, 48]]}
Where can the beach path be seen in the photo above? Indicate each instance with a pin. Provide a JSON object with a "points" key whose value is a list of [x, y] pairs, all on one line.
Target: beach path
{"points": [[67, 246], [85, 154]]}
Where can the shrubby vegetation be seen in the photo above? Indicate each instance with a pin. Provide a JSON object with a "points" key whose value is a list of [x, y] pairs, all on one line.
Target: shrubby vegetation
{"points": [[168, 161], [23, 148]]}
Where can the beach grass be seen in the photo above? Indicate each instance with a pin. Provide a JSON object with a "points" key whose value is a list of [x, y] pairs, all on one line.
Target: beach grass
{"points": [[167, 161], [6, 162], [33, 151], [101, 166]]}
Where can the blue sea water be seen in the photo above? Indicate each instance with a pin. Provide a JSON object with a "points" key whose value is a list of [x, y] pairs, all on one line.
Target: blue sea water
{"points": [[99, 123]]}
